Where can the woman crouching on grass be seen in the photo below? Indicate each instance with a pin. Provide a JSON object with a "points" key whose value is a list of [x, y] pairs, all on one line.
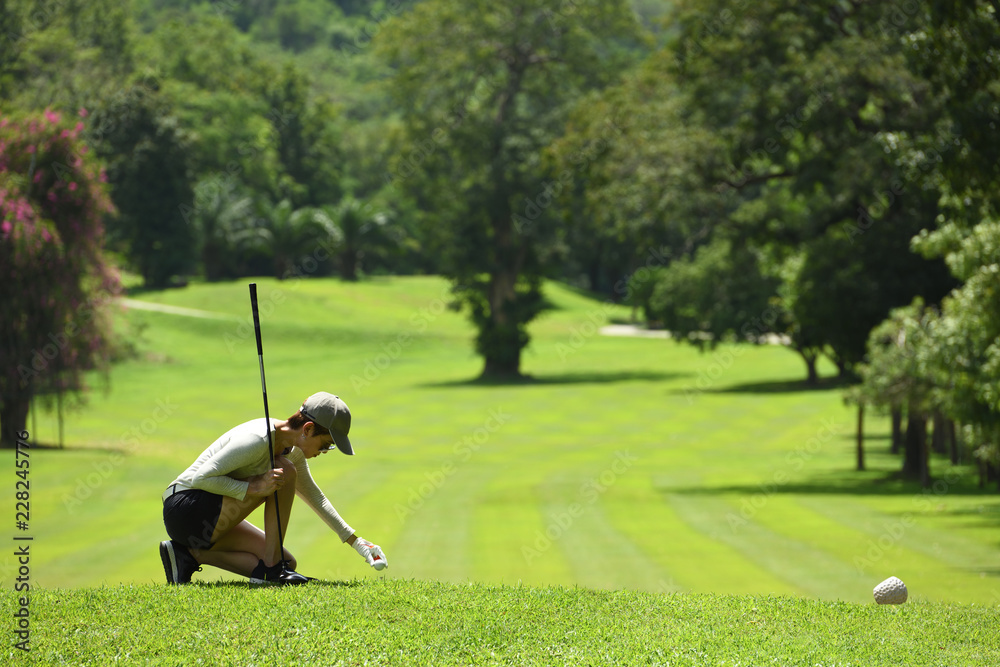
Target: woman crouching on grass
{"points": [[205, 508]]}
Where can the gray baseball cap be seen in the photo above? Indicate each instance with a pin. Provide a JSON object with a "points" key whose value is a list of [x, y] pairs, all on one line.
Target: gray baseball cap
{"points": [[332, 414]]}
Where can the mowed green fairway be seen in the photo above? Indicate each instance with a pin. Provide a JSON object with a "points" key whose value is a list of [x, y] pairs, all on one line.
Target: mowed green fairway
{"points": [[627, 463]]}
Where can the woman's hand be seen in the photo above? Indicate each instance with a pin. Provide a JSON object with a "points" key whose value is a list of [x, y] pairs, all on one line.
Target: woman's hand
{"points": [[266, 483]]}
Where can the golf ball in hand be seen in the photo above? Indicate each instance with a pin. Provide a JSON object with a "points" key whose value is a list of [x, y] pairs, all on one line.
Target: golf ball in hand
{"points": [[379, 564], [890, 591]]}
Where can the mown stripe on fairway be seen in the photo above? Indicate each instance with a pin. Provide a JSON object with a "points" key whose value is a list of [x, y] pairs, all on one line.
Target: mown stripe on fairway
{"points": [[686, 559], [812, 571], [508, 522], [905, 528], [576, 523], [435, 540]]}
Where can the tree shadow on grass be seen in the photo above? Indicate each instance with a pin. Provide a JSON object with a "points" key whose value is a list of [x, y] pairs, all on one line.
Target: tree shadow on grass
{"points": [[781, 386], [583, 377], [847, 483]]}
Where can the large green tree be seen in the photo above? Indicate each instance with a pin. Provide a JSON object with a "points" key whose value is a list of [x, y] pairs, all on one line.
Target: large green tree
{"points": [[785, 127], [146, 152], [484, 87]]}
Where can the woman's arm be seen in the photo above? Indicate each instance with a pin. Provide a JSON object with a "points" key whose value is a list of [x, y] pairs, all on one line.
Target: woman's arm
{"points": [[226, 467], [312, 495]]}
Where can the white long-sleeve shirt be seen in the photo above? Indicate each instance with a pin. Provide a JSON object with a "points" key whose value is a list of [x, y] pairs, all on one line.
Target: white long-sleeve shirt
{"points": [[242, 452]]}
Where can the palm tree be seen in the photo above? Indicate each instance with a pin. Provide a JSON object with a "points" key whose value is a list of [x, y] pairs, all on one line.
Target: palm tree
{"points": [[363, 229], [223, 217], [290, 234]]}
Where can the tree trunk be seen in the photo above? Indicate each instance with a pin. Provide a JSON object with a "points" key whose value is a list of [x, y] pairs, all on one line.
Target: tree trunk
{"points": [[500, 341], [938, 440], [810, 357], [915, 465], [594, 275], [861, 437], [956, 452], [897, 429], [349, 264], [13, 420]]}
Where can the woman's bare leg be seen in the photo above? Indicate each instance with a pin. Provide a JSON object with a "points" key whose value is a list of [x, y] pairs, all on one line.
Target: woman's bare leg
{"points": [[238, 544], [238, 551]]}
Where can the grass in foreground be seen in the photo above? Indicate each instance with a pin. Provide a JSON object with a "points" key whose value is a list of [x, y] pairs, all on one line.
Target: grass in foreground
{"points": [[386, 621]]}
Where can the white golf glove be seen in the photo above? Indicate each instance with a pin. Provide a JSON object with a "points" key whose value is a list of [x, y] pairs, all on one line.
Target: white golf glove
{"points": [[372, 553]]}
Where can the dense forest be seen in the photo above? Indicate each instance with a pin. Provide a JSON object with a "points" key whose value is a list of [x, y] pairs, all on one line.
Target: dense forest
{"points": [[825, 175]]}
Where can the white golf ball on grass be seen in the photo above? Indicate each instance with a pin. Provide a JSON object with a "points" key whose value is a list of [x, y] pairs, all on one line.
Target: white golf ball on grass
{"points": [[890, 591]]}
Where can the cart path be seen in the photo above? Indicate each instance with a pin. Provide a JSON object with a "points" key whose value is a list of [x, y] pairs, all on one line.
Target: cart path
{"points": [[175, 310], [636, 331]]}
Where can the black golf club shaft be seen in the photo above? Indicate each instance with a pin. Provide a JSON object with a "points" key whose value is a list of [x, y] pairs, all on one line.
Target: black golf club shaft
{"points": [[267, 415]]}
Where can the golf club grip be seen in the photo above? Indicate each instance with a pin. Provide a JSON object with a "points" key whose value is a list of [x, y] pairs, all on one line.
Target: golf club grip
{"points": [[256, 317]]}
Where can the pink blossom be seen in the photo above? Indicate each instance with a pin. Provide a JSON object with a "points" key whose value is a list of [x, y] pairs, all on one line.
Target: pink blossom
{"points": [[51, 116], [31, 149], [46, 235], [64, 134], [79, 127], [82, 112], [72, 186], [38, 176], [5, 227]]}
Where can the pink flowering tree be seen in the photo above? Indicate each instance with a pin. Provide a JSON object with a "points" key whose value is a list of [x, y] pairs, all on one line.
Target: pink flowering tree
{"points": [[56, 285]]}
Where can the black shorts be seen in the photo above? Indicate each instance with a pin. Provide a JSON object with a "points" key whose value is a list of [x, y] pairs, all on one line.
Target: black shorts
{"points": [[190, 517]]}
